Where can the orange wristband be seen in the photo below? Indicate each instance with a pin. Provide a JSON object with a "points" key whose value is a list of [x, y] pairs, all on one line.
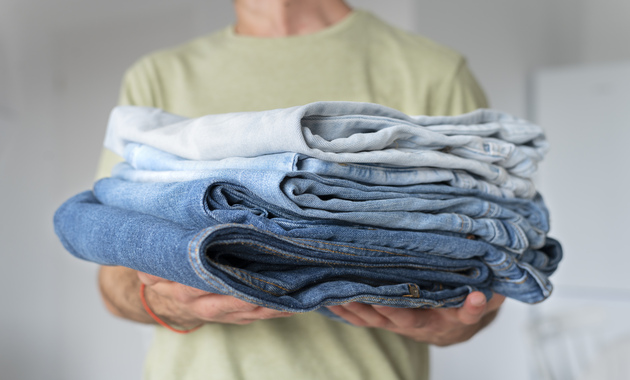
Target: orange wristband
{"points": [[157, 319]]}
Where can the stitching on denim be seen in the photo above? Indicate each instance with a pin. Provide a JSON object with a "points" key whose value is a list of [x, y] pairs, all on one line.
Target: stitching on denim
{"points": [[227, 288], [351, 246], [420, 266], [437, 304], [505, 258], [461, 227], [487, 212], [235, 270], [329, 250], [503, 279], [195, 264], [232, 270], [351, 299], [205, 275], [282, 254], [395, 121], [239, 273]]}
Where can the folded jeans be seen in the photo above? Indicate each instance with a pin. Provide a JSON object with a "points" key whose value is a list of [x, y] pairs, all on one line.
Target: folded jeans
{"points": [[303, 269], [513, 223], [154, 165], [489, 144]]}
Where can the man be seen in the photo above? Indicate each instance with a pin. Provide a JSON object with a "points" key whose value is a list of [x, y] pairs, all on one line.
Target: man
{"points": [[282, 53]]}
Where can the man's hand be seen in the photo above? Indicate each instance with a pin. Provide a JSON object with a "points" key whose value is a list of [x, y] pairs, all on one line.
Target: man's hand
{"points": [[440, 327], [186, 306], [174, 303]]}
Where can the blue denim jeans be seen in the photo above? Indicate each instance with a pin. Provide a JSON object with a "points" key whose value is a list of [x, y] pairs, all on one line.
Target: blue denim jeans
{"points": [[488, 144], [512, 223], [297, 266], [154, 165]]}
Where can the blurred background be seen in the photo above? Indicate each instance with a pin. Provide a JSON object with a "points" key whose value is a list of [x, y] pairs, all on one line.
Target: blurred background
{"points": [[562, 63]]}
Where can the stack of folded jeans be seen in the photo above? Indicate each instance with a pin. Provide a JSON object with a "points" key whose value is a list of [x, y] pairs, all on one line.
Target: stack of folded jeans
{"points": [[322, 204]]}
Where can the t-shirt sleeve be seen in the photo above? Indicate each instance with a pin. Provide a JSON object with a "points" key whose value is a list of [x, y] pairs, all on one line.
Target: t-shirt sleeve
{"points": [[136, 90], [141, 85], [459, 93]]}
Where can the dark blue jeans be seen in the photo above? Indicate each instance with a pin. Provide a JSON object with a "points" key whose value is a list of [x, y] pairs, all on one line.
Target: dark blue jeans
{"points": [[299, 266]]}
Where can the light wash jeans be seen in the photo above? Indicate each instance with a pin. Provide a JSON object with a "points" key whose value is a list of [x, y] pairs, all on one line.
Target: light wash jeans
{"points": [[488, 144], [298, 266], [512, 223], [154, 165]]}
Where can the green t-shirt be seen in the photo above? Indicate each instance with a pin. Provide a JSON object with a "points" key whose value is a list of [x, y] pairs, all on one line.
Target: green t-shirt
{"points": [[358, 59]]}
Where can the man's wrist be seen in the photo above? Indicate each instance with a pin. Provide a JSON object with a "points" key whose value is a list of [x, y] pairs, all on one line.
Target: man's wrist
{"points": [[161, 321]]}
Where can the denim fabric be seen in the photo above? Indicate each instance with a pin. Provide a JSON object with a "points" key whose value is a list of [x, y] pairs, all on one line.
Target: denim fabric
{"points": [[513, 223], [322, 204], [301, 268], [489, 144], [154, 165], [193, 204]]}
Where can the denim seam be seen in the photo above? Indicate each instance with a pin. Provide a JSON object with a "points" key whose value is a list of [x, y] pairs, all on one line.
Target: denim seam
{"points": [[506, 280], [353, 299], [243, 273], [197, 263], [461, 226], [505, 258], [370, 118], [423, 267], [279, 253], [349, 246], [240, 273], [208, 277], [519, 231], [235, 271], [374, 298], [543, 282], [496, 156], [487, 212], [329, 250]]}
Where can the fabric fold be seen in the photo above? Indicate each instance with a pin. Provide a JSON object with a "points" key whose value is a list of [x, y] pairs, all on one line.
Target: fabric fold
{"points": [[322, 204], [154, 165], [512, 223], [348, 132], [302, 268]]}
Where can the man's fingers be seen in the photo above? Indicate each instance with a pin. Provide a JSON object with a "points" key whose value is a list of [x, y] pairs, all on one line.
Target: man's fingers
{"points": [[369, 315], [441, 326], [213, 306], [405, 318], [381, 316], [348, 315], [187, 306], [473, 309], [260, 313]]}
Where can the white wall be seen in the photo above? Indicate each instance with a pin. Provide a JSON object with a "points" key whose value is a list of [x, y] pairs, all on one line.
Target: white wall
{"points": [[585, 183], [605, 31], [60, 66]]}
